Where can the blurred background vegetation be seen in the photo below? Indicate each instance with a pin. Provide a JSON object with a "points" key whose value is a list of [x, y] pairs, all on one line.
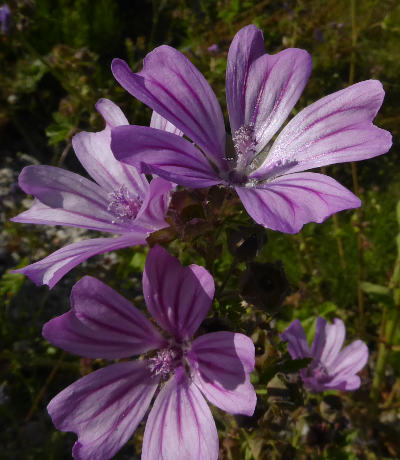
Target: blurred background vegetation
{"points": [[54, 66]]}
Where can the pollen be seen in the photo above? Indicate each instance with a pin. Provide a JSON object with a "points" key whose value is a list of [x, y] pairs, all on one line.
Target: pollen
{"points": [[123, 205], [244, 142], [164, 362]]}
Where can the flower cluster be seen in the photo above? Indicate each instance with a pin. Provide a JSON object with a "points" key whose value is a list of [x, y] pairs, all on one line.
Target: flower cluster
{"points": [[266, 165]]}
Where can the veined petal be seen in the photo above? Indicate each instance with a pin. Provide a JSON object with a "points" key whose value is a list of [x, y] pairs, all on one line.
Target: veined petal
{"points": [[94, 152], [112, 114], [165, 154], [343, 383], [102, 324], [296, 338], [350, 360], [53, 267], [104, 408], [180, 424], [262, 89], [155, 205], [159, 122], [172, 86], [177, 297], [42, 214], [275, 83], [247, 45], [288, 202], [336, 129], [328, 340], [222, 363], [68, 199]]}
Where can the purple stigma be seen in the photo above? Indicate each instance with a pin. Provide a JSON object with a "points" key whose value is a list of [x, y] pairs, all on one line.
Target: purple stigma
{"points": [[124, 206]]}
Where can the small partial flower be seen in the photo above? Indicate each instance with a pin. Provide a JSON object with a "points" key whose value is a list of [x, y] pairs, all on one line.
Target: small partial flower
{"points": [[332, 367], [213, 49], [261, 91], [105, 407], [120, 201], [5, 19]]}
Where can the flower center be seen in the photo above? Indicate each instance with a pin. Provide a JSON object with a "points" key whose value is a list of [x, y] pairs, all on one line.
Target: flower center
{"points": [[124, 206], [319, 371], [165, 361], [241, 154]]}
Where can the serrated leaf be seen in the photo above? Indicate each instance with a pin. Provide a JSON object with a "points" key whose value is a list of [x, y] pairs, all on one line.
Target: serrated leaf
{"points": [[11, 283]]}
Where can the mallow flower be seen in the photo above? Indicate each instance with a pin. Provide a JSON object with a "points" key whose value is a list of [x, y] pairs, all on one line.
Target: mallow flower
{"points": [[105, 407], [261, 91], [5, 19], [120, 201], [332, 368]]}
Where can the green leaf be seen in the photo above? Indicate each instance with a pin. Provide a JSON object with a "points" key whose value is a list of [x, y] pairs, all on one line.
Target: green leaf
{"points": [[398, 212], [10, 284], [375, 289], [138, 261], [291, 366]]}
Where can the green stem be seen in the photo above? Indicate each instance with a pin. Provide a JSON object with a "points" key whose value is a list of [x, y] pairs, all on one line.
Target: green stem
{"points": [[360, 274], [336, 227], [226, 279], [389, 328]]}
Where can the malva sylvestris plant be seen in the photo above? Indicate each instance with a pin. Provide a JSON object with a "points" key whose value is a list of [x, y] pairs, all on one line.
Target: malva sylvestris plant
{"points": [[331, 368], [267, 168], [120, 201], [105, 407], [261, 91]]}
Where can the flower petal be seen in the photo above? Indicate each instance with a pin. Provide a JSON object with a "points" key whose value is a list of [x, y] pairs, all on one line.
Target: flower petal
{"points": [[172, 86], [297, 341], [112, 114], [345, 383], [288, 202], [328, 340], [53, 267], [247, 45], [104, 408], [94, 152], [335, 129], [159, 122], [262, 89], [69, 199], [165, 154], [155, 205], [102, 324], [180, 424], [222, 364], [350, 360], [177, 297]]}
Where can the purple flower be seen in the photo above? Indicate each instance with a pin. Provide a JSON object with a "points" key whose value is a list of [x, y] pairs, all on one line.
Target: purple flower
{"points": [[261, 91], [213, 49], [5, 19], [105, 407], [331, 368], [120, 202]]}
